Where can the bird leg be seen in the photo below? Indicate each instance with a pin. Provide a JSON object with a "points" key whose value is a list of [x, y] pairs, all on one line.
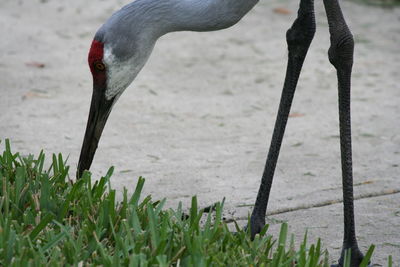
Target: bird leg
{"points": [[341, 57], [298, 38]]}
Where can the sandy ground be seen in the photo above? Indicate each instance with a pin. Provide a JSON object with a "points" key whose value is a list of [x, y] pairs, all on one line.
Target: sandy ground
{"points": [[199, 118]]}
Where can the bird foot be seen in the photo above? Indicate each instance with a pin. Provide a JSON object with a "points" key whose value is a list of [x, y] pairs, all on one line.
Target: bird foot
{"points": [[356, 258], [256, 225]]}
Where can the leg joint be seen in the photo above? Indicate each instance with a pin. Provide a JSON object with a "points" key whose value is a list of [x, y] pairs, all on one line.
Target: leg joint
{"points": [[342, 48], [300, 35]]}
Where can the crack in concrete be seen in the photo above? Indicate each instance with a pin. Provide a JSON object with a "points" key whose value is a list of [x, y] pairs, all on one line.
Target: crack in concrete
{"points": [[322, 204]]}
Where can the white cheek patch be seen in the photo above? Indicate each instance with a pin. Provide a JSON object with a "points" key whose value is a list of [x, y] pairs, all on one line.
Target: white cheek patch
{"points": [[119, 74]]}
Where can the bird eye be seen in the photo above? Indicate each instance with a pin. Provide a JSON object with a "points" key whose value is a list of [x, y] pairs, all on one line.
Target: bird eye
{"points": [[99, 66]]}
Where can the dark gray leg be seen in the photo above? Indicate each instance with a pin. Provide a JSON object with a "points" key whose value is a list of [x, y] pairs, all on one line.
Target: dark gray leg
{"points": [[299, 38], [341, 56]]}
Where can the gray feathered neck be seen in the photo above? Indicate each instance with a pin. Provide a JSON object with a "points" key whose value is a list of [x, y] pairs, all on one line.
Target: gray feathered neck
{"points": [[142, 22]]}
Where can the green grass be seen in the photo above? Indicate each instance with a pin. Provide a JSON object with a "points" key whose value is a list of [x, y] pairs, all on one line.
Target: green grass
{"points": [[48, 220]]}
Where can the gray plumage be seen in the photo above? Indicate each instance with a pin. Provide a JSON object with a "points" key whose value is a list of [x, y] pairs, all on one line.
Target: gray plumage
{"points": [[138, 25]]}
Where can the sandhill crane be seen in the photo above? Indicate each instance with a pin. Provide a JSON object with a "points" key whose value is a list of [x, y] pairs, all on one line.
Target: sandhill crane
{"points": [[124, 42]]}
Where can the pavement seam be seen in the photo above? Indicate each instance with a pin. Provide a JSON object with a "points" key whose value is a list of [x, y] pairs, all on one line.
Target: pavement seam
{"points": [[323, 203]]}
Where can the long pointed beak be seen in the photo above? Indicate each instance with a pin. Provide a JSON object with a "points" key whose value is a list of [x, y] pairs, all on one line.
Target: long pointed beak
{"points": [[100, 108]]}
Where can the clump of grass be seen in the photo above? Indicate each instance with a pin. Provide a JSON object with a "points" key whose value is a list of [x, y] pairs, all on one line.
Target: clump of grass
{"points": [[48, 220]]}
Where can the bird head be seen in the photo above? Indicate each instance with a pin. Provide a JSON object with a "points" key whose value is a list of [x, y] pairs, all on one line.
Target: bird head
{"points": [[114, 65]]}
